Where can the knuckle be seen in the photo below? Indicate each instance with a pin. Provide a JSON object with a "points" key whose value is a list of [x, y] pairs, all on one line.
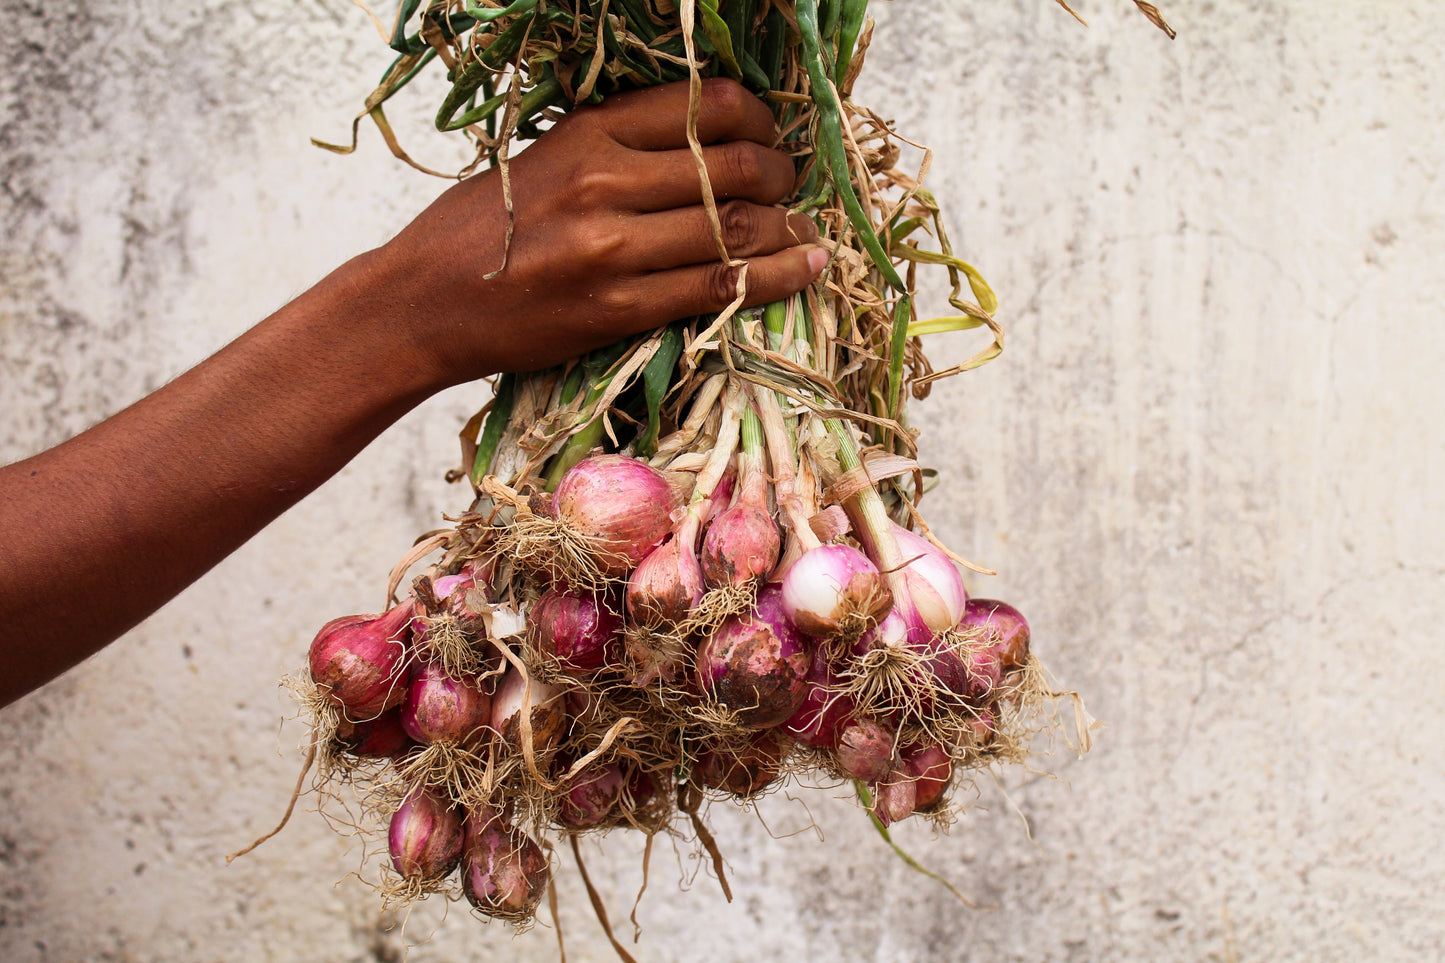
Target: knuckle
{"points": [[739, 221], [593, 187], [619, 301], [598, 244], [726, 95], [720, 285]]}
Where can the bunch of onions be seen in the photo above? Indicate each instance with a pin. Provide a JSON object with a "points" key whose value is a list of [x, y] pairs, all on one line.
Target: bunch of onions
{"points": [[690, 559]]}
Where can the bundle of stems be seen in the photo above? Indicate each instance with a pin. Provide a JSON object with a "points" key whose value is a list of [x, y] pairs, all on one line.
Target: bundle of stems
{"points": [[694, 564]]}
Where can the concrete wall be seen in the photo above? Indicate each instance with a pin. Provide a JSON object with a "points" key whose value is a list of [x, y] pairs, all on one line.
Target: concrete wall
{"points": [[1208, 466]]}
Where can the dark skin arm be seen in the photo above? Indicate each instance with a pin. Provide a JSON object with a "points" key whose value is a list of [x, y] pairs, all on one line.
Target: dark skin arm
{"points": [[610, 239]]}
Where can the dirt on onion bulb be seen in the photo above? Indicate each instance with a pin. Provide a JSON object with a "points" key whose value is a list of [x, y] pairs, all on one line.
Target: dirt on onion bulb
{"points": [[591, 795], [741, 771], [865, 750], [547, 715], [757, 665], [379, 738]]}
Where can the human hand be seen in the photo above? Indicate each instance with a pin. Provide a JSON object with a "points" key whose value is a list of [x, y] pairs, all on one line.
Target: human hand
{"points": [[610, 235]]}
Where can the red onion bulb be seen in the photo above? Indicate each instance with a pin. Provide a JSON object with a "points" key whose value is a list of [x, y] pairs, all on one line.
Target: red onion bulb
{"points": [[623, 507], [741, 771], [504, 871], [441, 709], [425, 837], [757, 665], [357, 661], [578, 630], [935, 588]]}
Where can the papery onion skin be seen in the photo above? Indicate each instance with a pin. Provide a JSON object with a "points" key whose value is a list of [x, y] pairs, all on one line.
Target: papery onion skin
{"points": [[548, 714], [757, 665], [425, 836], [1005, 627], [865, 750], [504, 871], [894, 799], [667, 585], [578, 630], [832, 585], [441, 709], [741, 771], [622, 506], [930, 769], [357, 661]]}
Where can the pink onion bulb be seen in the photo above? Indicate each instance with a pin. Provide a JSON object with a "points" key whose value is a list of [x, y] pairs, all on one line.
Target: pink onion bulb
{"points": [[504, 871], [425, 837], [741, 771], [830, 586], [548, 715], [357, 661], [578, 630], [824, 712], [742, 543], [865, 750], [440, 709], [623, 507], [380, 738], [935, 588], [591, 796], [757, 665], [667, 585], [1004, 626]]}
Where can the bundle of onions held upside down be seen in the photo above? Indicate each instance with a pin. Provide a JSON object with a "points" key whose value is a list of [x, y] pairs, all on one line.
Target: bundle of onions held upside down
{"points": [[694, 566]]}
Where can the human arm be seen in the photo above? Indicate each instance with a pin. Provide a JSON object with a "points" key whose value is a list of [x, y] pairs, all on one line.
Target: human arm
{"points": [[609, 239]]}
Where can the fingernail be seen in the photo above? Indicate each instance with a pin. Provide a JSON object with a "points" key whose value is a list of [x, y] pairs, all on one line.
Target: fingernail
{"points": [[817, 259]]}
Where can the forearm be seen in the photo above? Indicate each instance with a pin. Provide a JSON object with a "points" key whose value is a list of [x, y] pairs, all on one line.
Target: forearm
{"points": [[99, 532]]}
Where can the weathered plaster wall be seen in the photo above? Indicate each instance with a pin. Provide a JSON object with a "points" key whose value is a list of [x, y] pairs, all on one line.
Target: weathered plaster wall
{"points": [[1207, 466]]}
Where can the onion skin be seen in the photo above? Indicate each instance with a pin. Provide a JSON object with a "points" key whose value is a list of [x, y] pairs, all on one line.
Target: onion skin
{"points": [[824, 711], [577, 630], [504, 871], [440, 709], [743, 772], [894, 800], [935, 589], [425, 837], [357, 661], [592, 796], [831, 585], [757, 665], [381, 738], [865, 750], [548, 714], [623, 507]]}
